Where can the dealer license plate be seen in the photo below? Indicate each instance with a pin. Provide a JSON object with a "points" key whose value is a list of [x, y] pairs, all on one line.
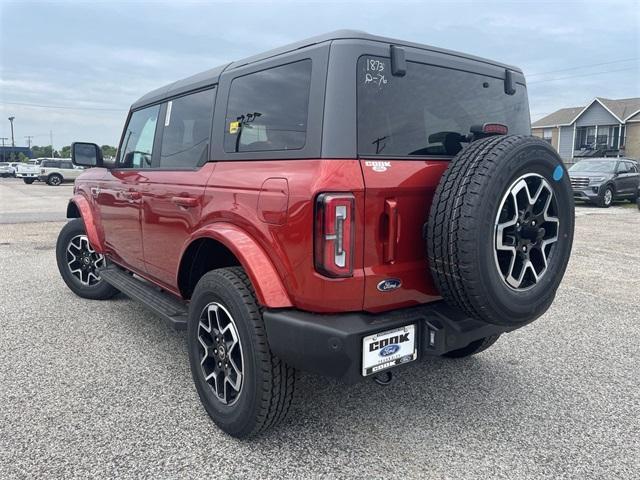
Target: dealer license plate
{"points": [[385, 350]]}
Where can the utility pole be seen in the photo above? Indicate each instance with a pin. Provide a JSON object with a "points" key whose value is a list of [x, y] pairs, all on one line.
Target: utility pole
{"points": [[29, 137], [13, 143], [51, 138]]}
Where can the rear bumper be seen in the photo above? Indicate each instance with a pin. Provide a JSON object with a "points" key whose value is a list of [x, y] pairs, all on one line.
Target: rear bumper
{"points": [[26, 175], [331, 345]]}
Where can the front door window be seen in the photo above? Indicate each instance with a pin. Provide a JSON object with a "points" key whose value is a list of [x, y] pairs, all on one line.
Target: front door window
{"points": [[137, 143]]}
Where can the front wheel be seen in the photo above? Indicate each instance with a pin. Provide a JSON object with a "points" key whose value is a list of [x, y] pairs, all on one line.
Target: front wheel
{"points": [[79, 263], [607, 198], [243, 387]]}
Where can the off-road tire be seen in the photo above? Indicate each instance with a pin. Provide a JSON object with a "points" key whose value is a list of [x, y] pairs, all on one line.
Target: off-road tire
{"points": [[473, 348], [461, 228], [28, 181], [602, 203], [101, 290], [54, 179], [268, 383]]}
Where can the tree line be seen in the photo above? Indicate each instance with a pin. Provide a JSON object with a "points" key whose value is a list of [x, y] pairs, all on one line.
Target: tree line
{"points": [[64, 152]]}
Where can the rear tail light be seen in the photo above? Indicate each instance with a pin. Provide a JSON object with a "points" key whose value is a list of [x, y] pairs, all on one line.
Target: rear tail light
{"points": [[42, 170], [334, 234]]}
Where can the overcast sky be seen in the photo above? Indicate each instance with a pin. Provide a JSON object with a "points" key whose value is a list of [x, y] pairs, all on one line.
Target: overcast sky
{"points": [[96, 58]]}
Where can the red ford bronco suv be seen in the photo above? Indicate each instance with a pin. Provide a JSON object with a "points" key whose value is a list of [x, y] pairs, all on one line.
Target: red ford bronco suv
{"points": [[345, 205]]}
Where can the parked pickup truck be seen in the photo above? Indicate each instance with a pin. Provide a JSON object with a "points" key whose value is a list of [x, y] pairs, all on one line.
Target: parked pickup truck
{"points": [[29, 171], [346, 205]]}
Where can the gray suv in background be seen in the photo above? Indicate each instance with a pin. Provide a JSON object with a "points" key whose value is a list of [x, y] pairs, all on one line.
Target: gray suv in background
{"points": [[603, 180]]}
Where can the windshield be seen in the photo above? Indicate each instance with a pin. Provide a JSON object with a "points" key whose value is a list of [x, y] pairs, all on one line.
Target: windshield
{"points": [[426, 111], [604, 166]]}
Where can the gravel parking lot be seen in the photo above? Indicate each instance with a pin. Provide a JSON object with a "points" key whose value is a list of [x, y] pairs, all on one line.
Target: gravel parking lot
{"points": [[103, 389]]}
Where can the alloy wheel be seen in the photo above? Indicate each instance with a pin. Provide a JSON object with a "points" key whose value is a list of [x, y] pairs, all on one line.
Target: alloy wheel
{"points": [[526, 232], [83, 261], [221, 359]]}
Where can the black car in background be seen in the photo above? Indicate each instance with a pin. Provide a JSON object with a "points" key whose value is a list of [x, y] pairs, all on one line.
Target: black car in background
{"points": [[603, 180]]}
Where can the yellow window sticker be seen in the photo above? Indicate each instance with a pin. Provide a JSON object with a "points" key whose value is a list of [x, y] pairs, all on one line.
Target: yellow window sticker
{"points": [[234, 127]]}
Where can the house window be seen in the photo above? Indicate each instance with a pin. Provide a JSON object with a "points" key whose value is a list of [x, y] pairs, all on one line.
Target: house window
{"points": [[547, 134], [585, 138]]}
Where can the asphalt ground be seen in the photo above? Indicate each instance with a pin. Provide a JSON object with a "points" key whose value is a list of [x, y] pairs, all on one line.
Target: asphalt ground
{"points": [[103, 389]]}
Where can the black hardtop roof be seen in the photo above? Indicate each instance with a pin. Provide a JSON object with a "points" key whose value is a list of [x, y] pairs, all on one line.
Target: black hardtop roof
{"points": [[210, 77]]}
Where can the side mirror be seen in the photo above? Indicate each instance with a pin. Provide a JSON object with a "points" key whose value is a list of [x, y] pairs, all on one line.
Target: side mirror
{"points": [[86, 154]]}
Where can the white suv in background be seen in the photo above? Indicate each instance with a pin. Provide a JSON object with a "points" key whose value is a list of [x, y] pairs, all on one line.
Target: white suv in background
{"points": [[58, 170]]}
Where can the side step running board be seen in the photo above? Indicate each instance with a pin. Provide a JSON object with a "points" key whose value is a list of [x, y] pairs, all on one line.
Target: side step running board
{"points": [[172, 311]]}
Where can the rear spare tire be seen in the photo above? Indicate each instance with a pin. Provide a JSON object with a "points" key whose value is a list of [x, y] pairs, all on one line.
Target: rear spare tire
{"points": [[500, 229], [29, 181]]}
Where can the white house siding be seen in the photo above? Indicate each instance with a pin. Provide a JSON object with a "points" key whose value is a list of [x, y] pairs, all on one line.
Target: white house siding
{"points": [[596, 114], [566, 142]]}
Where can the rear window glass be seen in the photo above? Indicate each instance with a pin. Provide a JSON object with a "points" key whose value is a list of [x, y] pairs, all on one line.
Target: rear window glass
{"points": [[426, 111], [268, 110]]}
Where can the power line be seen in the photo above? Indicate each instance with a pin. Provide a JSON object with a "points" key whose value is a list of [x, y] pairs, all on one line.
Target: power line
{"points": [[583, 66], [65, 107], [582, 75]]}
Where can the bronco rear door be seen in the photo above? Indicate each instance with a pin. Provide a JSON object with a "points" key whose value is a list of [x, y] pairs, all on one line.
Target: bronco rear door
{"points": [[409, 127]]}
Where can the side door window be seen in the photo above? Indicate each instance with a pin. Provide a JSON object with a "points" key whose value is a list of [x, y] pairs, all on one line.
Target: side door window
{"points": [[623, 167], [137, 144], [187, 129], [268, 110]]}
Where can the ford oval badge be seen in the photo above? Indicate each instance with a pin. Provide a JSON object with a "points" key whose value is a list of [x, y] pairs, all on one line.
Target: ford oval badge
{"points": [[389, 350], [389, 284]]}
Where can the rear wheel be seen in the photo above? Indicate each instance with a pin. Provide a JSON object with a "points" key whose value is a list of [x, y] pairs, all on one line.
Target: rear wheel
{"points": [[28, 181], [473, 348], [79, 263], [243, 387], [500, 229], [54, 179]]}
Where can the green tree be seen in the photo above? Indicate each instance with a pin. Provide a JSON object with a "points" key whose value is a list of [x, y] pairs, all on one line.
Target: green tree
{"points": [[65, 152], [44, 151], [108, 151]]}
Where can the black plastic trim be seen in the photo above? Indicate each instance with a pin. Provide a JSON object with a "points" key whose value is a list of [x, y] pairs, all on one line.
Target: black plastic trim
{"points": [[173, 311], [331, 345]]}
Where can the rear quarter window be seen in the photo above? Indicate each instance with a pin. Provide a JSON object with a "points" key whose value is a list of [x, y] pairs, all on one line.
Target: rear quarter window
{"points": [[423, 112], [268, 110]]}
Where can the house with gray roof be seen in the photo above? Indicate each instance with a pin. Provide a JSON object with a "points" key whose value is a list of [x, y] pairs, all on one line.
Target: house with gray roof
{"points": [[604, 127]]}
